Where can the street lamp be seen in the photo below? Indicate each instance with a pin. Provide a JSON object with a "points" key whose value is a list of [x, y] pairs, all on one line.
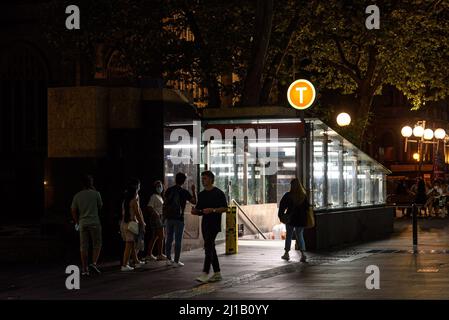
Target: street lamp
{"points": [[343, 119], [424, 136]]}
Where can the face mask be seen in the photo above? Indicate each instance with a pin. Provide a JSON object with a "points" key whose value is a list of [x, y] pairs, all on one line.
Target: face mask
{"points": [[159, 189]]}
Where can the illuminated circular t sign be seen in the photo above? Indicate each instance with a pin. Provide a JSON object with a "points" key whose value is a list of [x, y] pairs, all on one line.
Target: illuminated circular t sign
{"points": [[301, 94]]}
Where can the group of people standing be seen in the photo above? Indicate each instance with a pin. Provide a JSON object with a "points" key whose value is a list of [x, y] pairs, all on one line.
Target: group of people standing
{"points": [[163, 216], [431, 198]]}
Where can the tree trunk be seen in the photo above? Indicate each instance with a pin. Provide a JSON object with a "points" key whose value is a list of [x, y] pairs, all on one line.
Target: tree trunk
{"points": [[213, 92], [252, 85], [365, 100], [210, 79], [277, 60]]}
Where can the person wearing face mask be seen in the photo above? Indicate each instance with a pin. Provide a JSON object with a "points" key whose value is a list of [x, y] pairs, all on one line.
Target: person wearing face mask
{"points": [[154, 209]]}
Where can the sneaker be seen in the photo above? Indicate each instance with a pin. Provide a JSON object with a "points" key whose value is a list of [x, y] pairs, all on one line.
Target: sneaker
{"points": [[85, 273], [178, 264], [138, 264], [161, 258], [303, 258], [169, 262], [94, 267], [126, 268], [150, 258], [204, 278], [216, 277], [286, 256]]}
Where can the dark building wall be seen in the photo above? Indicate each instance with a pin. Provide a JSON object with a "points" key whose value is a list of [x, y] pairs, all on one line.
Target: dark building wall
{"points": [[28, 66]]}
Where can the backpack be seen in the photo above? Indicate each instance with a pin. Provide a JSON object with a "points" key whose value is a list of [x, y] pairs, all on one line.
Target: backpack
{"points": [[171, 208]]}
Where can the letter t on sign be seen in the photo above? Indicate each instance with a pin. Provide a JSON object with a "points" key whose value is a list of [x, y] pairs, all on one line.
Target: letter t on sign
{"points": [[301, 93]]}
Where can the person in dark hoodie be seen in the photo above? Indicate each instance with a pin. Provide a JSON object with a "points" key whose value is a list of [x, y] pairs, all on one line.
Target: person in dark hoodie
{"points": [[293, 212]]}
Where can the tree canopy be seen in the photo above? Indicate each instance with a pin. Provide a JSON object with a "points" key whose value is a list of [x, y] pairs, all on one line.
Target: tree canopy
{"points": [[410, 51], [268, 43]]}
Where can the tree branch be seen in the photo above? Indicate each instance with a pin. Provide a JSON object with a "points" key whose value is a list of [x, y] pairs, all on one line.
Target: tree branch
{"points": [[343, 57], [372, 62], [205, 58], [344, 69], [377, 81], [287, 38]]}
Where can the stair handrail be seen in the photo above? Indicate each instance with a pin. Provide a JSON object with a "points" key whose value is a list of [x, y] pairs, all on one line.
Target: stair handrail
{"points": [[249, 219]]}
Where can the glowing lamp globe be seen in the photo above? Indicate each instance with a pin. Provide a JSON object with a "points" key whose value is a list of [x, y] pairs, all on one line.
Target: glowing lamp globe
{"points": [[440, 133], [343, 119], [407, 132], [428, 134], [418, 131]]}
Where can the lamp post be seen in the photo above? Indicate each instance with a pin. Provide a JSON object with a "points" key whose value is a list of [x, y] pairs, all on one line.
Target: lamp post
{"points": [[423, 137]]}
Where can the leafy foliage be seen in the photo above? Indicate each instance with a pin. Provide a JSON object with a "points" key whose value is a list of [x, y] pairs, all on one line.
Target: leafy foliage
{"points": [[323, 40], [409, 51]]}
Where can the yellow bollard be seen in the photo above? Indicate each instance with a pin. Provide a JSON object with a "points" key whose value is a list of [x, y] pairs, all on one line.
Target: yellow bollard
{"points": [[231, 231]]}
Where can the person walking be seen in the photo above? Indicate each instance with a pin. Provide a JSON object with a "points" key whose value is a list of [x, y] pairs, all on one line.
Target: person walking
{"points": [[154, 209], [419, 190], [175, 200], [211, 204], [85, 209], [132, 222], [293, 212]]}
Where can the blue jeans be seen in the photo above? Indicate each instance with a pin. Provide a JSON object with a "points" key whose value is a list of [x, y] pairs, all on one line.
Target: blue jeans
{"points": [[175, 227], [299, 233]]}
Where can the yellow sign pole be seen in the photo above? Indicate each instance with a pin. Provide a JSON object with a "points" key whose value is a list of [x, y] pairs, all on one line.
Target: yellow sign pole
{"points": [[231, 231]]}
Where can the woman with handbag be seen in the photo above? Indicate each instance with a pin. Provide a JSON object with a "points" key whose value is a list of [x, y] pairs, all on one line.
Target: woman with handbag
{"points": [[154, 209], [132, 219], [293, 212]]}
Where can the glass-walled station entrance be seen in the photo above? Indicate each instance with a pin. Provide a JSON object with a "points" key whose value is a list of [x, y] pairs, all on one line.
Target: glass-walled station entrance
{"points": [[343, 176], [255, 160]]}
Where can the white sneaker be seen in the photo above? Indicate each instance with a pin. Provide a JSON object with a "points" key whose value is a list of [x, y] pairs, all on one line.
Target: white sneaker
{"points": [[203, 278], [178, 264], [169, 262], [286, 256], [126, 268], [216, 277], [150, 258]]}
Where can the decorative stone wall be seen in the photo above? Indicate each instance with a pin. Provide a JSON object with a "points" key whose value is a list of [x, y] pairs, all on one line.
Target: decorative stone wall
{"points": [[77, 122]]}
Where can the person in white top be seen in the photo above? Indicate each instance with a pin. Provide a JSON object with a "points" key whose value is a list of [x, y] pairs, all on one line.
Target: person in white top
{"points": [[434, 195], [154, 211], [131, 213]]}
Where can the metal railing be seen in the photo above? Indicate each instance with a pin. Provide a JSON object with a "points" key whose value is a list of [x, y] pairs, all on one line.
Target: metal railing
{"points": [[248, 218]]}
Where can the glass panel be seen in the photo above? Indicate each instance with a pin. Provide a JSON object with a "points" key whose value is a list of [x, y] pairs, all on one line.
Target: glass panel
{"points": [[318, 169], [350, 178], [364, 183], [333, 173], [378, 187], [287, 166], [178, 157], [242, 175]]}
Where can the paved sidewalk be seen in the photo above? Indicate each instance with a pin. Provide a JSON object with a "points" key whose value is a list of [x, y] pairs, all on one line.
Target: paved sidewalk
{"points": [[257, 272]]}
